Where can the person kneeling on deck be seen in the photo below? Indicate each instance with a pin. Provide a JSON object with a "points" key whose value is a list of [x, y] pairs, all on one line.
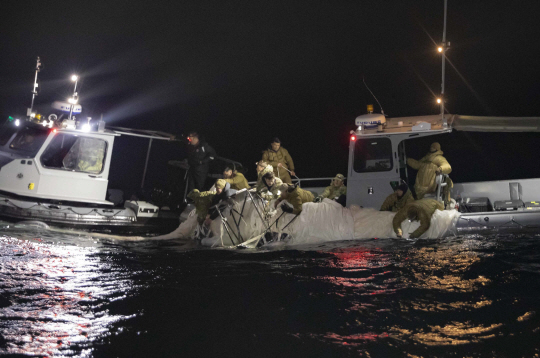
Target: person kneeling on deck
{"points": [[428, 168], [337, 191], [237, 180], [271, 189], [401, 197], [296, 196], [420, 210]]}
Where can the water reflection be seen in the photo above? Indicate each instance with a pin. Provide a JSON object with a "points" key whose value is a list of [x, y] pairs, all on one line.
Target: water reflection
{"points": [[55, 297], [408, 294]]}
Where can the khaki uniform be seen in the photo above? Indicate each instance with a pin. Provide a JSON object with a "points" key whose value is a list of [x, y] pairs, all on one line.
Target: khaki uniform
{"points": [[280, 156], [393, 203], [272, 192], [332, 192], [298, 197], [238, 181], [260, 181], [427, 167], [423, 209], [203, 201]]}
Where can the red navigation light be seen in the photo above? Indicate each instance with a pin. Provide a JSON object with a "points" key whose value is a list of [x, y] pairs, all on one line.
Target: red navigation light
{"points": [[54, 130], [353, 137]]}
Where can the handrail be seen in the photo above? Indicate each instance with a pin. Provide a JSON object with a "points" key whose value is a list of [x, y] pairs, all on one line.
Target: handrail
{"points": [[303, 179]]}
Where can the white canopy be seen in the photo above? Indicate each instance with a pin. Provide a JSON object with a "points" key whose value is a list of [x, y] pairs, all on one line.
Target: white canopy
{"points": [[494, 124]]}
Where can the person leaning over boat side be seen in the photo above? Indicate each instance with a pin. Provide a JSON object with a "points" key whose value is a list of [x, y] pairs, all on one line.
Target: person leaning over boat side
{"points": [[262, 168], [428, 168], [336, 191], [401, 197], [199, 158], [202, 202], [296, 196], [280, 159], [223, 192], [237, 180], [419, 210], [271, 189]]}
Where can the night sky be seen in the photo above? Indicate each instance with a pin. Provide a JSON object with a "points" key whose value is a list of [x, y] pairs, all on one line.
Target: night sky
{"points": [[242, 72]]}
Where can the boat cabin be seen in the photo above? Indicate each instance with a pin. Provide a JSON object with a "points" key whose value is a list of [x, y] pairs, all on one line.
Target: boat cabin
{"points": [[377, 158]]}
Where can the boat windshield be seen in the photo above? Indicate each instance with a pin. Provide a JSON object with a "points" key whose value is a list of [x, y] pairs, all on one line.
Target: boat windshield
{"points": [[75, 153], [373, 155], [29, 138]]}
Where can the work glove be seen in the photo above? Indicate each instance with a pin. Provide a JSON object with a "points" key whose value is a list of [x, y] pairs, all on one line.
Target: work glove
{"points": [[318, 199], [286, 208]]}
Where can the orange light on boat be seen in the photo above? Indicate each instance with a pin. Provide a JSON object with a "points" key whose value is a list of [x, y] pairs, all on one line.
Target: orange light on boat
{"points": [[54, 130], [439, 100], [440, 49]]}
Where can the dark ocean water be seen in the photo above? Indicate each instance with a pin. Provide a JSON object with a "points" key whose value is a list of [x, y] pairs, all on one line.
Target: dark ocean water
{"points": [[66, 294]]}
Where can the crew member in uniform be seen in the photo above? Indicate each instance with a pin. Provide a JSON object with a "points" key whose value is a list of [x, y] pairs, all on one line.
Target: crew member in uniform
{"points": [[296, 196], [337, 191], [280, 159], [401, 197], [419, 210], [428, 168], [237, 180], [199, 158]]}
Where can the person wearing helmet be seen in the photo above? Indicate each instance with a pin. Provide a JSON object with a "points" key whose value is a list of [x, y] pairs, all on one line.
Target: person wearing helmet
{"points": [[336, 191], [401, 197], [428, 168], [280, 159], [262, 168], [419, 210]]}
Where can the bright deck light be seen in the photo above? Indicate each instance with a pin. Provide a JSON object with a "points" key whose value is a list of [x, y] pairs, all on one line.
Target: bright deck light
{"points": [[74, 78], [440, 49], [17, 122], [86, 127], [439, 100], [72, 100]]}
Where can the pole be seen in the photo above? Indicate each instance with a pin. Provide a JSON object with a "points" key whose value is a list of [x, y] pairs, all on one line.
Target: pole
{"points": [[34, 92], [445, 123], [73, 98], [146, 163]]}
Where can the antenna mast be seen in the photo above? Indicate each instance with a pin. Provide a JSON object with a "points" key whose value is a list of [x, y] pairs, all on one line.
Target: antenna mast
{"points": [[444, 47], [34, 91]]}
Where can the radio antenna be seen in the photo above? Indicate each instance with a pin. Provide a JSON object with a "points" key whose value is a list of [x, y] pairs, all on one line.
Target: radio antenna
{"points": [[365, 84]]}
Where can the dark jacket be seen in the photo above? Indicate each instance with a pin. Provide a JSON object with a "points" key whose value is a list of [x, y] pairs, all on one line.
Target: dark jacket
{"points": [[200, 156]]}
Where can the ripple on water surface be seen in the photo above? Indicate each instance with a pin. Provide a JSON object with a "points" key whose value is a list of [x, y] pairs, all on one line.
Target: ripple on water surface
{"points": [[72, 295]]}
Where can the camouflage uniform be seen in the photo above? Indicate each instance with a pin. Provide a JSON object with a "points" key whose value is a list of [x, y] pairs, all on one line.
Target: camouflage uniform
{"points": [[238, 181], [332, 192], [427, 167], [203, 201], [298, 197], [272, 192], [393, 203], [280, 156], [423, 211]]}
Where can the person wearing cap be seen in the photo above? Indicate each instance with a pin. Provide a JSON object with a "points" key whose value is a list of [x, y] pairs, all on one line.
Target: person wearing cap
{"points": [[199, 158], [271, 189], [237, 180], [419, 210], [280, 159], [296, 196], [428, 168], [262, 168], [401, 197], [336, 191]]}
